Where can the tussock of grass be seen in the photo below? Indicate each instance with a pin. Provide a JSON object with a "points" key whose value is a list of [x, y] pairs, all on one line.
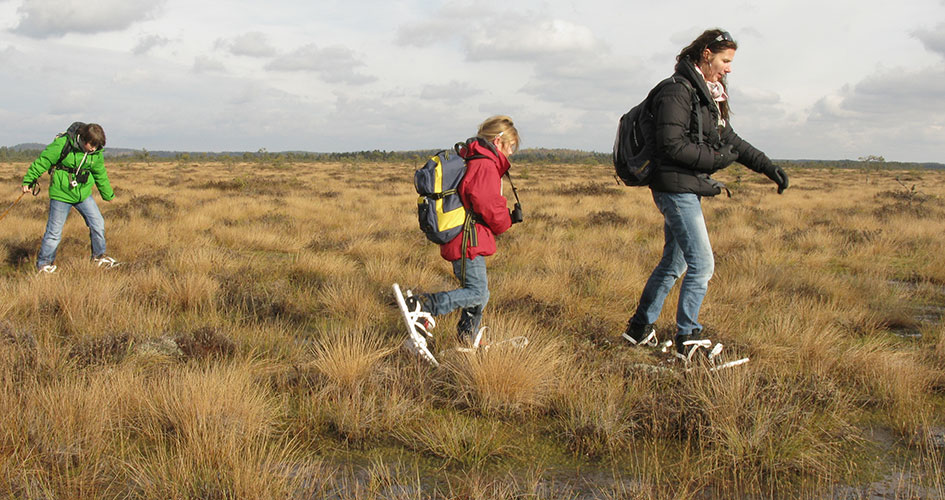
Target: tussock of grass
{"points": [[255, 470], [458, 440], [353, 300], [506, 379], [595, 412], [755, 428], [377, 411], [347, 358]]}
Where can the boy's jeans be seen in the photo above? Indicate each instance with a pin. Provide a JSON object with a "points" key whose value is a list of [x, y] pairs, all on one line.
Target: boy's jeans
{"points": [[686, 249], [58, 212]]}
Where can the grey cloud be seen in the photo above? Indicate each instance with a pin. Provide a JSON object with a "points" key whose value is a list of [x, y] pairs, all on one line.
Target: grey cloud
{"points": [[421, 34], [252, 44], [365, 122], [334, 64], [7, 53], [452, 91], [72, 102], [899, 109], [204, 64], [888, 97], [934, 39], [51, 18], [597, 84], [763, 104], [148, 42], [442, 26]]}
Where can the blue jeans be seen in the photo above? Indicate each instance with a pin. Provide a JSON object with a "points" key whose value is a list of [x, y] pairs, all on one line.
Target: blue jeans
{"points": [[58, 212], [471, 298], [686, 249]]}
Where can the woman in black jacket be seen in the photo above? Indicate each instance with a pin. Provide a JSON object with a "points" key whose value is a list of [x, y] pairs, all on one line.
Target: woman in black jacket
{"points": [[694, 139]]}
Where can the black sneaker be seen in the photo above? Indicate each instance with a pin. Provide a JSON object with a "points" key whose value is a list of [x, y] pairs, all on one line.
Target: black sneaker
{"points": [[413, 301], [420, 303], [640, 335], [690, 346]]}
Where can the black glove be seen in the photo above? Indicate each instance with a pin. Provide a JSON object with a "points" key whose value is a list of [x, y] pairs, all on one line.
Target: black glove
{"points": [[724, 157], [516, 213], [776, 174]]}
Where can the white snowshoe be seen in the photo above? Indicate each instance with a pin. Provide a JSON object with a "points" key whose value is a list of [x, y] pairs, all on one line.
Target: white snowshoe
{"points": [[714, 355], [419, 325]]}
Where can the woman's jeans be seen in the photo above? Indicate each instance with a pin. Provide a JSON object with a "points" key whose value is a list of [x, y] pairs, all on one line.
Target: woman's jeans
{"points": [[686, 249], [58, 212], [471, 298]]}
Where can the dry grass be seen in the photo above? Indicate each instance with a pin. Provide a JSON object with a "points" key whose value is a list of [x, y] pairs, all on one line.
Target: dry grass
{"points": [[506, 379], [248, 346], [347, 358]]}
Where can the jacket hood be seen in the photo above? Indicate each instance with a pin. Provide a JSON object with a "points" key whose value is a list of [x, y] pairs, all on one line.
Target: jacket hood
{"points": [[478, 146]]}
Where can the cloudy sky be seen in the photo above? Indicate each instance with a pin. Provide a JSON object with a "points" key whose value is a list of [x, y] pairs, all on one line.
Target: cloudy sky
{"points": [[824, 79]]}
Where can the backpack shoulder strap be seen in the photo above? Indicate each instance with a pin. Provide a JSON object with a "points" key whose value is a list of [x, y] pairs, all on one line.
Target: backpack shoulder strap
{"points": [[71, 135], [694, 102]]}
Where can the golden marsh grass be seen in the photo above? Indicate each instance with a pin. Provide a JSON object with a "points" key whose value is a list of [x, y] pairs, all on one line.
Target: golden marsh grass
{"points": [[248, 346]]}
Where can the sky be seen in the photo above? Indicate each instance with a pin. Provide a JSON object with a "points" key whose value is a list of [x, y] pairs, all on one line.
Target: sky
{"points": [[824, 79]]}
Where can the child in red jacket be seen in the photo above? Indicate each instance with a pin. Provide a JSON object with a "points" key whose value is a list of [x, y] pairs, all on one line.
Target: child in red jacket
{"points": [[481, 193]]}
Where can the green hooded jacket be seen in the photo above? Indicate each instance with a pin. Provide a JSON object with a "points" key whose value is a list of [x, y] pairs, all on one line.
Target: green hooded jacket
{"points": [[60, 187]]}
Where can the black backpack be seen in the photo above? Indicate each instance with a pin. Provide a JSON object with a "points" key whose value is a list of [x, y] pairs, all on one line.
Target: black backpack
{"points": [[634, 146], [70, 134]]}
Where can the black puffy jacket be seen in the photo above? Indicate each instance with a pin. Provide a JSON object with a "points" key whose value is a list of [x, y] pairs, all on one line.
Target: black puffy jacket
{"points": [[685, 162]]}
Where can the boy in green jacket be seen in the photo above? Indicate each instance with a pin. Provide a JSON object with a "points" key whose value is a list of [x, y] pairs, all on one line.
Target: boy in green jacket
{"points": [[75, 158]]}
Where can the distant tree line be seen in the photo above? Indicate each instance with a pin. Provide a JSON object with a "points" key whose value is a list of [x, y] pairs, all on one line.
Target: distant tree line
{"points": [[526, 156]]}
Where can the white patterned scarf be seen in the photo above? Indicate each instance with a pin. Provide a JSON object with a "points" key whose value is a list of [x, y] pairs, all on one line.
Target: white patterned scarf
{"points": [[717, 90]]}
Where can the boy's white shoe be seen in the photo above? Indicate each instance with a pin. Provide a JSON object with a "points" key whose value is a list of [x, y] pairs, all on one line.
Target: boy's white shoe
{"points": [[48, 269]]}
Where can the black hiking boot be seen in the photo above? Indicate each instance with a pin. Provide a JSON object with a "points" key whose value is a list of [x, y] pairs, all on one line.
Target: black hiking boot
{"points": [[422, 299], [640, 335]]}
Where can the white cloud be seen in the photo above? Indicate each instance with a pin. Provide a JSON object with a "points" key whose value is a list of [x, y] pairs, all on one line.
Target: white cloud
{"points": [[525, 39], [51, 18], [72, 102], [252, 44], [206, 64], [133, 76], [148, 42], [7, 52], [453, 91], [334, 64], [506, 35]]}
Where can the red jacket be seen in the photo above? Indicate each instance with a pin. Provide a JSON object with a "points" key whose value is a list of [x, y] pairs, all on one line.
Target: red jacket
{"points": [[481, 192]]}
